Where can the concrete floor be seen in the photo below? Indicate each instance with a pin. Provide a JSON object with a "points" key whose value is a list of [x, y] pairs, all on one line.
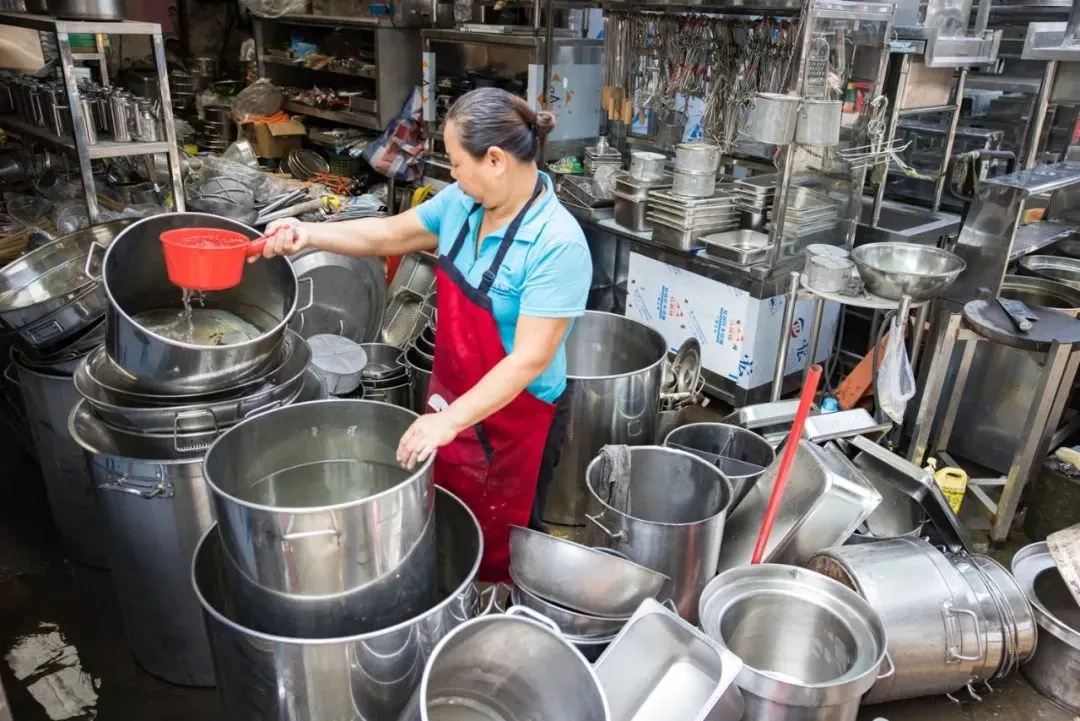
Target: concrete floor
{"points": [[37, 586]]}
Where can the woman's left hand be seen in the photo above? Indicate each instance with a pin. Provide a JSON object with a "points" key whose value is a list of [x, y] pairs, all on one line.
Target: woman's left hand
{"points": [[427, 434]]}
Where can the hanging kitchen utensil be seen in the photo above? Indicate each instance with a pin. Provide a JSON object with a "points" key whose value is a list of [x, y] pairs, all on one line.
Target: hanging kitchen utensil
{"points": [[207, 258]]}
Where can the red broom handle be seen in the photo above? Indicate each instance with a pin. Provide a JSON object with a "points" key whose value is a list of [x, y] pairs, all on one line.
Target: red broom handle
{"points": [[790, 448]]}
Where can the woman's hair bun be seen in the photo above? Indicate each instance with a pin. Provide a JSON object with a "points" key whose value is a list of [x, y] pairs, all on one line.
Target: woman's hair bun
{"points": [[544, 123]]}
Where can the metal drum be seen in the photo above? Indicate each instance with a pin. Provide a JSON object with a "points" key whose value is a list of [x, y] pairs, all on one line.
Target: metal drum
{"points": [[811, 647], [156, 507], [614, 368], [48, 399], [360, 676], [136, 282], [332, 536], [675, 522]]}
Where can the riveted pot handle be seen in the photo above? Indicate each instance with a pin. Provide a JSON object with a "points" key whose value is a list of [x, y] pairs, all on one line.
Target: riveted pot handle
{"points": [[595, 520], [9, 375], [291, 535], [493, 592], [311, 292], [92, 271], [892, 667], [955, 652], [262, 409], [163, 489], [178, 421], [534, 616], [47, 331]]}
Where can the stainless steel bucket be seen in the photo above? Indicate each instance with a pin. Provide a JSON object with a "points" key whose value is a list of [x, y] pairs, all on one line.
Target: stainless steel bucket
{"points": [[675, 522], [735, 451], [505, 667], [810, 646], [48, 400], [314, 508], [156, 507], [819, 122], [1000, 388], [614, 369], [772, 118], [135, 279], [353, 678]]}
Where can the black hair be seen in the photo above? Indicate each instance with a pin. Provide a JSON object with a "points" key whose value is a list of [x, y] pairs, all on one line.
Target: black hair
{"points": [[494, 118]]}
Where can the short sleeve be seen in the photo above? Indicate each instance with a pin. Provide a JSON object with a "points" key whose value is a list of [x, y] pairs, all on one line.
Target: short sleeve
{"points": [[557, 282], [431, 212]]}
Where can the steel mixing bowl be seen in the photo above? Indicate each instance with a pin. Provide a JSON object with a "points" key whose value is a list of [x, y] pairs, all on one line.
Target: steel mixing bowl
{"points": [[893, 270]]}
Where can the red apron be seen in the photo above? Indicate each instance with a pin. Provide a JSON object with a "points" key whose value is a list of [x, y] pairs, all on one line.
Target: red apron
{"points": [[493, 467]]}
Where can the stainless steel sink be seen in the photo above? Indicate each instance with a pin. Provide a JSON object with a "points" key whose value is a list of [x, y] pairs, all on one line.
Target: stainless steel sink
{"points": [[904, 223]]}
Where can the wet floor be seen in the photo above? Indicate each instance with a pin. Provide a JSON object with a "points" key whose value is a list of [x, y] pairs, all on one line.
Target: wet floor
{"points": [[83, 669]]}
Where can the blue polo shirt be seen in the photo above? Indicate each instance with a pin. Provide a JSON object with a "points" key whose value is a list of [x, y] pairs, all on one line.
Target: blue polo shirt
{"points": [[546, 273]]}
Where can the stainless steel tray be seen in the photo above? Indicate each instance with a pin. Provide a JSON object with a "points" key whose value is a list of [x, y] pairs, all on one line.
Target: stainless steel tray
{"points": [[722, 196], [843, 424], [687, 217], [677, 238], [744, 247], [826, 500], [707, 223]]}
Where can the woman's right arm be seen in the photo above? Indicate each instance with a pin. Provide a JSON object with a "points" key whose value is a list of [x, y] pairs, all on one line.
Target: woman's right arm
{"points": [[393, 235]]}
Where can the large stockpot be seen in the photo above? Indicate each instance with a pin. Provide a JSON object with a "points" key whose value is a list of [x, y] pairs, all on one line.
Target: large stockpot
{"points": [[1000, 388], [1054, 670], [614, 368], [937, 635], [810, 647], [46, 296], [508, 666], [48, 399], [155, 506], [675, 522], [135, 279], [361, 677], [314, 508]]}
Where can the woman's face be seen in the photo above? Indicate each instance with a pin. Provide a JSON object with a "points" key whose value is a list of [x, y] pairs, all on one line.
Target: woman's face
{"points": [[482, 179]]}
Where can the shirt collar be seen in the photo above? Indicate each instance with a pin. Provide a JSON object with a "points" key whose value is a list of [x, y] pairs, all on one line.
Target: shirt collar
{"points": [[535, 218]]}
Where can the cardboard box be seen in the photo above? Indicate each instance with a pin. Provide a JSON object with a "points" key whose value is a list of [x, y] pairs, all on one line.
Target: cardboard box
{"points": [[274, 140]]}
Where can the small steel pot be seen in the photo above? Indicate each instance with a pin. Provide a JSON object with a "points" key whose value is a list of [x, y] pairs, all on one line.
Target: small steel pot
{"points": [[819, 122], [772, 118]]}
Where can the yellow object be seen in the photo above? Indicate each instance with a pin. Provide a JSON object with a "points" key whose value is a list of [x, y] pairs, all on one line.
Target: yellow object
{"points": [[191, 149], [952, 482], [1068, 455], [420, 195]]}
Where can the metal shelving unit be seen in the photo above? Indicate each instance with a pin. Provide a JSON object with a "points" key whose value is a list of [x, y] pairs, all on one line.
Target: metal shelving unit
{"points": [[79, 145]]}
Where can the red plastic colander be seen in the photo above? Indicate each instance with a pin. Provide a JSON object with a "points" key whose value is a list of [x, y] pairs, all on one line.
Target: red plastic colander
{"points": [[207, 258]]}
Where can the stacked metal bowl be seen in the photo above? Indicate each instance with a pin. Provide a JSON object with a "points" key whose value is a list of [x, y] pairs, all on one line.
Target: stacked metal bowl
{"points": [[161, 387]]}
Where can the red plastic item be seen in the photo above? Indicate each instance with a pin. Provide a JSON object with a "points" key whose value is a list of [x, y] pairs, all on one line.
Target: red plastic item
{"points": [[790, 447], [207, 258]]}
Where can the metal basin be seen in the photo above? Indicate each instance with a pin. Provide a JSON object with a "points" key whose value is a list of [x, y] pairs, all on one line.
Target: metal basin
{"points": [[893, 270], [135, 280], [810, 646], [904, 223], [1052, 267], [740, 454], [578, 577], [353, 677], [314, 508]]}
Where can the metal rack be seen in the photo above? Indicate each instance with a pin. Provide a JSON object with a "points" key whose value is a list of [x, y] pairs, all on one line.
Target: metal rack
{"points": [[79, 145]]}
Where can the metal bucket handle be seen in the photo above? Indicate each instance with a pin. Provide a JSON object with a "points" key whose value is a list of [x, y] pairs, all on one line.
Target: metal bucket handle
{"points": [[620, 536], [88, 268], [9, 375], [955, 652], [492, 604], [291, 535], [311, 294], [157, 487], [178, 420], [532, 615], [892, 667]]}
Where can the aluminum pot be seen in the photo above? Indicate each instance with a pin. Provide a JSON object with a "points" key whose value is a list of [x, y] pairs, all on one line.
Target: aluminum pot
{"points": [[398, 393], [772, 118], [349, 678], [1054, 670], [135, 280], [48, 399], [614, 368], [937, 635], [675, 523], [740, 454], [535, 674], [811, 647], [314, 508], [155, 506], [47, 297], [819, 122]]}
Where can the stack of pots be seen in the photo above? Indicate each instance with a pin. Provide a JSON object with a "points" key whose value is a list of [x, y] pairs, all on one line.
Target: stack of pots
{"points": [[965, 621], [332, 571], [695, 169], [420, 358], [218, 128], [150, 407], [52, 316], [387, 377]]}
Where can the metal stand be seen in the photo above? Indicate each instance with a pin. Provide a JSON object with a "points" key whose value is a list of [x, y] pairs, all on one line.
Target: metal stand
{"points": [[81, 148], [1052, 391]]}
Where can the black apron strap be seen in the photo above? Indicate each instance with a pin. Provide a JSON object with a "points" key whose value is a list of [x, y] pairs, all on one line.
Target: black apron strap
{"points": [[462, 235], [508, 239]]}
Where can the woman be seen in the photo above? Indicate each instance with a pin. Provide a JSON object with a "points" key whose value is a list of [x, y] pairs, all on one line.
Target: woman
{"points": [[514, 271]]}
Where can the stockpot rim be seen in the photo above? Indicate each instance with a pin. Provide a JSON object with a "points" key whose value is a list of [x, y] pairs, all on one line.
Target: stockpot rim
{"points": [[724, 507], [94, 451], [1028, 564], [644, 369], [470, 579], [216, 489], [721, 424], [265, 335]]}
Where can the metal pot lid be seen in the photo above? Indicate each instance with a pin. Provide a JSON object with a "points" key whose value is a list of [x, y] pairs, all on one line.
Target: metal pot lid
{"points": [[305, 163], [1055, 609], [686, 367], [337, 355]]}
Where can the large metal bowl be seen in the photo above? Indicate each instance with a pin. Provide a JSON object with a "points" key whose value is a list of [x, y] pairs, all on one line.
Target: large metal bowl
{"points": [[578, 577], [1063, 270], [893, 270]]}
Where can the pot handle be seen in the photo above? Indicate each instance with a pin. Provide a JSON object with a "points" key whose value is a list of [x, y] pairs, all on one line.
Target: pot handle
{"points": [[161, 489], [955, 652], [178, 421], [494, 592], [290, 535], [595, 520], [533, 616], [311, 293], [89, 268], [47, 331], [892, 667], [263, 409], [9, 375]]}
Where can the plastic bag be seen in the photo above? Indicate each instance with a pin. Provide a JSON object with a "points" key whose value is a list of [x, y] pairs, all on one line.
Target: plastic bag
{"points": [[895, 379]]}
